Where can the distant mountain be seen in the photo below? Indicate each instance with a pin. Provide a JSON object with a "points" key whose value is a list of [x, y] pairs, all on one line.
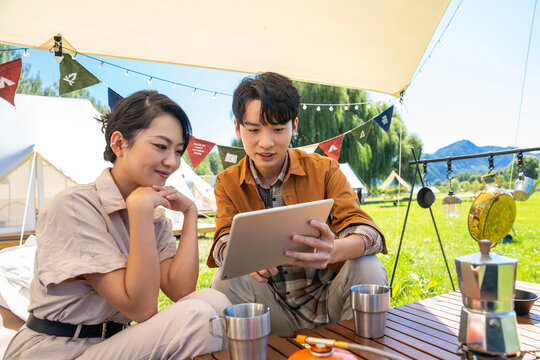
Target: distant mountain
{"points": [[465, 147]]}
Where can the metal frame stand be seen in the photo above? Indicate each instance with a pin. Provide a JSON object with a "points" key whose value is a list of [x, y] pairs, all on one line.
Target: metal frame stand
{"points": [[416, 162], [405, 224]]}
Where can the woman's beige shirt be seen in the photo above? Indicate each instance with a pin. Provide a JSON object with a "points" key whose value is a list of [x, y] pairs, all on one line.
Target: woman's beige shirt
{"points": [[83, 230]]}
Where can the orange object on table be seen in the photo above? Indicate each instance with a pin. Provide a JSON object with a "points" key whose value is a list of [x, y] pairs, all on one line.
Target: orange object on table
{"points": [[320, 351]]}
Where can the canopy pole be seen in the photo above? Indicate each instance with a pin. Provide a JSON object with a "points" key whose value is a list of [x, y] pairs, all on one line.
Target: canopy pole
{"points": [[522, 92], [30, 184], [399, 158]]}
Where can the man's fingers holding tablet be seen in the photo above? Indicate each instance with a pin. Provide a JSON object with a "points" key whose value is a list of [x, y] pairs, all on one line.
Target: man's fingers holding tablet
{"points": [[264, 275]]}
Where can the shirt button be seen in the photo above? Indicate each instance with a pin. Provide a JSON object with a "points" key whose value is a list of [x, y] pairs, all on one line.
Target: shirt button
{"points": [[285, 272], [273, 199], [288, 292]]}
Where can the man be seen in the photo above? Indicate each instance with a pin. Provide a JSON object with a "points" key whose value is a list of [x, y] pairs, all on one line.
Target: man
{"points": [[314, 288]]}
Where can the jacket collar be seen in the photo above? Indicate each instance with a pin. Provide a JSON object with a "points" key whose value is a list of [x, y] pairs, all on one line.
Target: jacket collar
{"points": [[295, 167]]}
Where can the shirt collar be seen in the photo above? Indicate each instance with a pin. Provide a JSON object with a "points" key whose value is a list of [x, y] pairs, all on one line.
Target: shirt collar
{"points": [[281, 176], [109, 194]]}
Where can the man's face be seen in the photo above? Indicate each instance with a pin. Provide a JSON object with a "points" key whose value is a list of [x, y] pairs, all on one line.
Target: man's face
{"points": [[266, 144]]}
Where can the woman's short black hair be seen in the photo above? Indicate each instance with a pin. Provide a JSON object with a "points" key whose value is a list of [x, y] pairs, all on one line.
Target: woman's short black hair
{"points": [[136, 113], [280, 100]]}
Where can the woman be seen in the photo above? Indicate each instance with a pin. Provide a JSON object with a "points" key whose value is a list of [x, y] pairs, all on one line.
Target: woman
{"points": [[105, 249]]}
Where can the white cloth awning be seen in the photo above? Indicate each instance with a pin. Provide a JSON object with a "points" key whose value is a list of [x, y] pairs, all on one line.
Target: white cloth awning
{"points": [[363, 44]]}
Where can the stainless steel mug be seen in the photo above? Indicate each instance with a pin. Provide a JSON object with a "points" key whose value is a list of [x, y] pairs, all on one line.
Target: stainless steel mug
{"points": [[523, 187], [370, 305], [246, 327]]}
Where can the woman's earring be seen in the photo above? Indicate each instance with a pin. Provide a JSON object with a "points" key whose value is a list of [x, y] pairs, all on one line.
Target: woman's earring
{"points": [[112, 144]]}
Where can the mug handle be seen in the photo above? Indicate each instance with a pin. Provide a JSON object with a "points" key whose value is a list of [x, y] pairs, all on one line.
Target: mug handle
{"points": [[211, 324]]}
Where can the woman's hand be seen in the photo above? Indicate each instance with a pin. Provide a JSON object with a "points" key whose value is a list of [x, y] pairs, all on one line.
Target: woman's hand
{"points": [[176, 200], [147, 198]]}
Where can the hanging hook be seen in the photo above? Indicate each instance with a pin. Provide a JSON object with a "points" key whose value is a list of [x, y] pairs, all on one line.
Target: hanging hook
{"points": [[449, 173], [490, 166], [426, 180], [519, 162]]}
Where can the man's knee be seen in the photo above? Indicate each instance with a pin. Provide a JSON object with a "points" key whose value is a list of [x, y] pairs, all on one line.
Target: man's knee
{"points": [[366, 270], [238, 289]]}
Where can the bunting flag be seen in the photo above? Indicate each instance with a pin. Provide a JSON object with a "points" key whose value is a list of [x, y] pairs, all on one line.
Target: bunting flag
{"points": [[198, 149], [230, 155], [10, 74], [310, 149], [114, 98], [332, 147], [73, 76], [385, 118], [362, 132]]}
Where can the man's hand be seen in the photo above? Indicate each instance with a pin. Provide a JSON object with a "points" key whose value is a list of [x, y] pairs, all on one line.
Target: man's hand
{"points": [[264, 275], [323, 248]]}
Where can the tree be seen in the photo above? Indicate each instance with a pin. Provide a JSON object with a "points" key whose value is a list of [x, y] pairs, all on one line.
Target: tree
{"points": [[33, 85], [378, 156]]}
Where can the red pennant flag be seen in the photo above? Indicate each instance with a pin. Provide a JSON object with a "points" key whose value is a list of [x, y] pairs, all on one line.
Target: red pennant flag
{"points": [[198, 149], [10, 73], [332, 147]]}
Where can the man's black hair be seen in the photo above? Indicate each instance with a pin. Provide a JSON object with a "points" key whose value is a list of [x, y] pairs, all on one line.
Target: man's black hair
{"points": [[280, 100]]}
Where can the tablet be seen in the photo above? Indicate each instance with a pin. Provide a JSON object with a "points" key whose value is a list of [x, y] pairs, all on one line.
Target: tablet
{"points": [[259, 239]]}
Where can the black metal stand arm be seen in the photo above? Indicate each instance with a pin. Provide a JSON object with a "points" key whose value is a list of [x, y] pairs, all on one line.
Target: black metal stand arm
{"points": [[416, 162]]}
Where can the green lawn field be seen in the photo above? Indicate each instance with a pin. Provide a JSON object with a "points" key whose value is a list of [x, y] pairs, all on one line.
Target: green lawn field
{"points": [[421, 271]]}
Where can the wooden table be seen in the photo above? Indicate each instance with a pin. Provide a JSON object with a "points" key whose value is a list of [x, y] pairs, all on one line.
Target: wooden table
{"points": [[426, 329], [201, 228]]}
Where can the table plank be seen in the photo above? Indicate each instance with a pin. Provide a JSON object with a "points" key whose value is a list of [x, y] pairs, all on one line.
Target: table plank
{"points": [[283, 347], [413, 347]]}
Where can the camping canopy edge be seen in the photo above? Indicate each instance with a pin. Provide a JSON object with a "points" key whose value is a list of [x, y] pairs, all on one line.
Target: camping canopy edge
{"points": [[362, 44]]}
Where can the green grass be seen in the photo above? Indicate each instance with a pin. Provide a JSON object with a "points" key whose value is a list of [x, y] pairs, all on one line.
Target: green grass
{"points": [[421, 271]]}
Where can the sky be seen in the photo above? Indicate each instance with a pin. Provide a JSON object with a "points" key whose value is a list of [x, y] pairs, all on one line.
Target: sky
{"points": [[470, 88]]}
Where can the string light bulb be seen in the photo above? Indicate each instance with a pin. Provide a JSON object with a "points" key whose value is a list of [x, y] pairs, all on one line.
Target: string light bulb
{"points": [[355, 107], [214, 95], [368, 106], [126, 73], [318, 108], [150, 80], [331, 108], [194, 91], [100, 65], [304, 107], [346, 107], [26, 53], [74, 56], [174, 85]]}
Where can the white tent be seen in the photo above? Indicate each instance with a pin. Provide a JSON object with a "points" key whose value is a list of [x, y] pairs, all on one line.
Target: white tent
{"points": [[363, 44], [390, 179], [353, 179], [52, 142], [57, 142]]}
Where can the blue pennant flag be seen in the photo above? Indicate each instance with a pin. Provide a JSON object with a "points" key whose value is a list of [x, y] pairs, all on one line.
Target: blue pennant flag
{"points": [[114, 98], [385, 118]]}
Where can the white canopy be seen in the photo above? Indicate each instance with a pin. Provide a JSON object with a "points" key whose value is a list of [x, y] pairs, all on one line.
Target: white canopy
{"points": [[363, 44]]}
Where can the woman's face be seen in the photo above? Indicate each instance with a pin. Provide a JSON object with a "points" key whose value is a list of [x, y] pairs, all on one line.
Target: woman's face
{"points": [[153, 156]]}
